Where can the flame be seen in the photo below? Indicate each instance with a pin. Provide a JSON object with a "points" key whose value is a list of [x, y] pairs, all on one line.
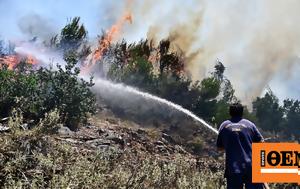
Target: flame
{"points": [[13, 60], [110, 36], [10, 60], [31, 60]]}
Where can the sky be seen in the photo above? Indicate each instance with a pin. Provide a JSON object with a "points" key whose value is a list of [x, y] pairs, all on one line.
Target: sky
{"points": [[54, 14], [227, 28]]}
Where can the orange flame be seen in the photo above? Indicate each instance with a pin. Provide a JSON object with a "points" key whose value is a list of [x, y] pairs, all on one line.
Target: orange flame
{"points": [[10, 60], [31, 60], [13, 60], [110, 35]]}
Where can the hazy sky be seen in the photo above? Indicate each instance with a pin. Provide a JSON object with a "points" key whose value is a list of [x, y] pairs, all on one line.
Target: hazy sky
{"points": [[55, 14]]}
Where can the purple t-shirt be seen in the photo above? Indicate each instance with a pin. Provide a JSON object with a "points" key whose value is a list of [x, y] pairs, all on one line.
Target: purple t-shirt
{"points": [[236, 137]]}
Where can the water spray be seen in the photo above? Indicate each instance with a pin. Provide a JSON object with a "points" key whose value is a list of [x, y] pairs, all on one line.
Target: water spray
{"points": [[102, 83]]}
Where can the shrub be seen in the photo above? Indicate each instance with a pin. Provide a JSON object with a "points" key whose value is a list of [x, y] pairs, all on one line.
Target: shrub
{"points": [[36, 92]]}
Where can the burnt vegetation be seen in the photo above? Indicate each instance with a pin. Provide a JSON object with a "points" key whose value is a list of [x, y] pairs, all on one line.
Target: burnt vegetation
{"points": [[46, 97]]}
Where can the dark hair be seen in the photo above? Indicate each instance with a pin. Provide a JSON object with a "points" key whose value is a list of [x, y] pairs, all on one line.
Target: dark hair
{"points": [[236, 110]]}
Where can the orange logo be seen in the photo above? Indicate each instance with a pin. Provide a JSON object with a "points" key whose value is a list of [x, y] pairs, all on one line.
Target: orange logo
{"points": [[276, 162]]}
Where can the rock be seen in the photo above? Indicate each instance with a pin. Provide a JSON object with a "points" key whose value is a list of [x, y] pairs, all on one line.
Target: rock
{"points": [[70, 140], [90, 126], [4, 119], [24, 126], [116, 138], [64, 131], [103, 147], [101, 131], [98, 142], [159, 143], [4, 129]]}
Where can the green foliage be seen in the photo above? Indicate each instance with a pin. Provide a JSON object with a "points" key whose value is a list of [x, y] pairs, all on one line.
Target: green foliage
{"points": [[209, 88], [221, 112], [16, 88], [36, 92], [63, 91], [175, 89], [292, 116], [271, 116], [136, 66], [268, 112], [160, 71], [72, 35], [228, 92], [72, 39], [169, 62], [206, 103]]}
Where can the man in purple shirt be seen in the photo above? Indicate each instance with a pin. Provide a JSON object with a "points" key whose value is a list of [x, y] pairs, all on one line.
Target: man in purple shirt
{"points": [[235, 137]]}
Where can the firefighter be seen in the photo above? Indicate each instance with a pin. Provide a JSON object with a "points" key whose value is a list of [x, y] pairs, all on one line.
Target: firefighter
{"points": [[235, 137]]}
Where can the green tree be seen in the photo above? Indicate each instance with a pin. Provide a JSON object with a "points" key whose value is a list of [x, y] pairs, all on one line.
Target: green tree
{"points": [[36, 92], [73, 34], [269, 113], [169, 62], [206, 104], [226, 86], [67, 93], [16, 88], [131, 65], [292, 114]]}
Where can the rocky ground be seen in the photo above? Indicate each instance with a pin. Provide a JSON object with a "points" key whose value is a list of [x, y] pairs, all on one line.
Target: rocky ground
{"points": [[109, 153], [111, 134]]}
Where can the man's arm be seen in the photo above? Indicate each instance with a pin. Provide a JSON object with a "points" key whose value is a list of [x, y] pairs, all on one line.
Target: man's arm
{"points": [[220, 145], [257, 137]]}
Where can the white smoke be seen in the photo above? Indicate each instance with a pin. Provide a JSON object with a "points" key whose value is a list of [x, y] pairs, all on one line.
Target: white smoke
{"points": [[34, 25], [43, 55], [255, 40]]}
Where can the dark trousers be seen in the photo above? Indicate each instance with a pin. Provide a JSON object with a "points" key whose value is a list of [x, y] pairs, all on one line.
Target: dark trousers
{"points": [[237, 181]]}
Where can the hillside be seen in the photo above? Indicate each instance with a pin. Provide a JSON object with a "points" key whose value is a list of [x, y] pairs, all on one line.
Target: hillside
{"points": [[107, 153], [80, 112]]}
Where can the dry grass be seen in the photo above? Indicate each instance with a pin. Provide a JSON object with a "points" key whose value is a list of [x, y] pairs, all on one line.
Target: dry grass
{"points": [[35, 159]]}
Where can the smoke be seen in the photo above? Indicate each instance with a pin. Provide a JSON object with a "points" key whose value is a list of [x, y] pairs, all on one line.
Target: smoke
{"points": [[43, 55], [255, 40], [34, 25]]}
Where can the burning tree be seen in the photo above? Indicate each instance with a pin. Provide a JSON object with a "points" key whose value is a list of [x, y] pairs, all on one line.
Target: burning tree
{"points": [[36, 92]]}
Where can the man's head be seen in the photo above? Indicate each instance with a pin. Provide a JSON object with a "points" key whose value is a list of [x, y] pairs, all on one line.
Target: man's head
{"points": [[236, 110]]}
